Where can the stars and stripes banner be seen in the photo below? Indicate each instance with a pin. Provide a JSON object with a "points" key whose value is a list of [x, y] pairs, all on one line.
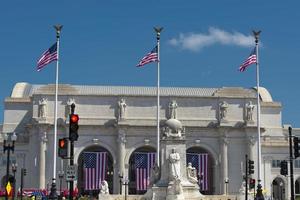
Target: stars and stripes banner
{"points": [[249, 61], [143, 165], [150, 57], [200, 162], [95, 169], [47, 57]]}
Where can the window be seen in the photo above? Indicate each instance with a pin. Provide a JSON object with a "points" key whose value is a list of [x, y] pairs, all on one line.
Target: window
{"points": [[297, 163], [276, 163]]}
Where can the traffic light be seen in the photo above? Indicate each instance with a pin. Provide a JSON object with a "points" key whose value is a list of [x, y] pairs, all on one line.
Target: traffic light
{"points": [[251, 183], [283, 168], [296, 147], [73, 131], [23, 171], [63, 147], [251, 166]]}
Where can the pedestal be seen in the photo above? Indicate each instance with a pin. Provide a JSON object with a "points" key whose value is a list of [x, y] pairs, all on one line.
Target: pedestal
{"points": [[166, 188]]}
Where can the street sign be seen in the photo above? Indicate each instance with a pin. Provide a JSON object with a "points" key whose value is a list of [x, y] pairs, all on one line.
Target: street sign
{"points": [[71, 173]]}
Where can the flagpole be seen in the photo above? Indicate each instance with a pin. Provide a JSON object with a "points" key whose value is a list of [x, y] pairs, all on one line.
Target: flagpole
{"points": [[158, 31], [53, 194], [259, 194]]}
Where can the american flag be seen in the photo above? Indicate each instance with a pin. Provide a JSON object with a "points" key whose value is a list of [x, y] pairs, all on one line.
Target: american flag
{"points": [[143, 165], [95, 168], [200, 162], [47, 57], [150, 57], [250, 60]]}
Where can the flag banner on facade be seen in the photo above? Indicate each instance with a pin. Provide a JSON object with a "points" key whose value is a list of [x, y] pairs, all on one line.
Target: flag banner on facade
{"points": [[95, 169], [249, 61], [143, 165], [47, 57], [200, 162], [150, 57]]}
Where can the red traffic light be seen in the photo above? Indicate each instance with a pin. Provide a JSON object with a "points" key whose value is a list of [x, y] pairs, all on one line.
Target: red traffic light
{"points": [[74, 118], [62, 143]]}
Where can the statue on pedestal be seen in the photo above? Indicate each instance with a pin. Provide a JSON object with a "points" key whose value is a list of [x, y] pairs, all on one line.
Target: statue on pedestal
{"points": [[173, 109], [42, 108], [223, 110], [174, 161], [121, 109], [191, 173], [104, 187], [249, 111]]}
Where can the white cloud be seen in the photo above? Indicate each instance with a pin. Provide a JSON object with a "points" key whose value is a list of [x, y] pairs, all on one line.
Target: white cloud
{"points": [[197, 41]]}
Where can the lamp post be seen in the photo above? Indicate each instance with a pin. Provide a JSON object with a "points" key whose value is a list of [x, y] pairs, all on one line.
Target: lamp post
{"points": [[126, 186], [8, 147], [226, 185], [14, 170]]}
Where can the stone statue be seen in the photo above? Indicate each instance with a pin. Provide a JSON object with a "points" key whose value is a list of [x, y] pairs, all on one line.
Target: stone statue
{"points": [[104, 187], [121, 109], [68, 107], [174, 161], [173, 109], [223, 109], [175, 188], [249, 111], [42, 108], [191, 173], [154, 177]]}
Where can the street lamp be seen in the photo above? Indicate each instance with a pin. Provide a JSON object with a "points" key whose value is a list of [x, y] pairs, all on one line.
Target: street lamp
{"points": [[226, 186], [14, 170], [126, 186], [8, 147]]}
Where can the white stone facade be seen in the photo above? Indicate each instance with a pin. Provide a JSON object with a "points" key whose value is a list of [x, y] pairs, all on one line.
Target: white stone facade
{"points": [[226, 139]]}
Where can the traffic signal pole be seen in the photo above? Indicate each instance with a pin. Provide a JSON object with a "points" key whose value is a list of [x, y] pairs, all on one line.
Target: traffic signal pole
{"points": [[71, 157], [291, 164]]}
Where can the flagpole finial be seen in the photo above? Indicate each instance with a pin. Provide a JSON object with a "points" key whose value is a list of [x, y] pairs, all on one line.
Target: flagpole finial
{"points": [[158, 30], [256, 35], [58, 28]]}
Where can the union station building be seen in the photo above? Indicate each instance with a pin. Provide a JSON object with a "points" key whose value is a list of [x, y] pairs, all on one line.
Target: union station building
{"points": [[219, 125]]}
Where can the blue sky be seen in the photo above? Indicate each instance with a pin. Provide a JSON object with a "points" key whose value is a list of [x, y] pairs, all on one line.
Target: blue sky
{"points": [[202, 44]]}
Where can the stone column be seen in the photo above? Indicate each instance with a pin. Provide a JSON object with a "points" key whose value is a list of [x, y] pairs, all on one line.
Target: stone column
{"points": [[225, 162], [42, 158], [121, 156]]}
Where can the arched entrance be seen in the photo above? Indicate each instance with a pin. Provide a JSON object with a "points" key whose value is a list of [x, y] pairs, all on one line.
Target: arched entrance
{"points": [[140, 164], [202, 160], [95, 164], [278, 188]]}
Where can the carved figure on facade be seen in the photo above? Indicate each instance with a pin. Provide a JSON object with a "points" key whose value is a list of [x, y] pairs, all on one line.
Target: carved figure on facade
{"points": [[191, 173], [154, 176], [68, 107], [121, 109], [173, 129], [42, 108], [223, 107], [169, 133], [175, 188], [174, 165], [173, 109], [104, 189], [249, 111]]}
